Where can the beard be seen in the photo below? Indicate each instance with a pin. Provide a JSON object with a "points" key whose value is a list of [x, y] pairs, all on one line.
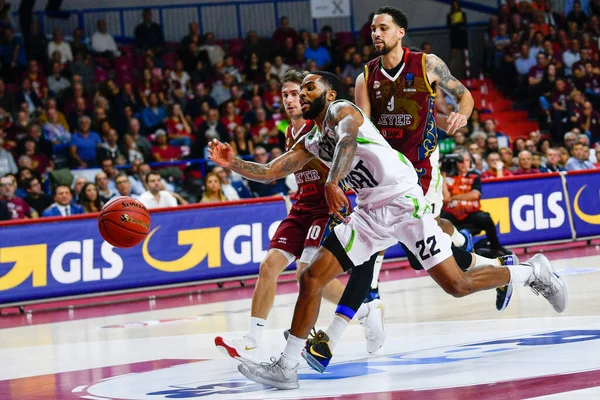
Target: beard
{"points": [[386, 49], [316, 107]]}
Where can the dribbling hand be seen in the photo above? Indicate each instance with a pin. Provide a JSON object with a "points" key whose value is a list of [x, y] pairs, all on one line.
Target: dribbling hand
{"points": [[336, 199], [220, 153], [455, 121]]}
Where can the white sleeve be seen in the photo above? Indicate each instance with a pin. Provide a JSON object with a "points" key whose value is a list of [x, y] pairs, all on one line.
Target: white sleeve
{"points": [[144, 199], [172, 200]]}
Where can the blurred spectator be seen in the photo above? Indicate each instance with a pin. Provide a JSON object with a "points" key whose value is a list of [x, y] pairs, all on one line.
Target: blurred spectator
{"points": [[7, 161], [211, 129], [18, 131], [7, 101], [103, 42], [163, 151], [489, 128], [571, 56], [242, 142], [589, 122], [264, 130], [13, 55], [563, 156], [283, 32], [279, 68], [525, 164], [193, 37], [228, 189], [570, 138], [78, 45], [552, 160], [84, 144], [36, 198], [148, 34], [537, 163], [57, 83], [43, 146], [40, 163], [154, 197], [214, 51], [62, 206], [272, 96], [123, 185], [142, 144], [274, 188], [23, 174], [597, 154], [354, 68], [58, 44], [577, 15], [181, 83], [178, 128], [456, 20], [491, 146], [317, 53], [530, 146], [17, 207], [102, 182], [109, 149], [497, 168], [83, 68], [579, 160], [80, 110], [36, 44], [253, 70], [229, 67], [77, 186], [231, 119], [221, 90], [212, 189], [154, 115], [28, 96], [89, 198]]}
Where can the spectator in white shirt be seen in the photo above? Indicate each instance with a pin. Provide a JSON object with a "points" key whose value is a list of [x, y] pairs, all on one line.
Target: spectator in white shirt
{"points": [[124, 186], [214, 51], [103, 42], [279, 68], [154, 197], [226, 186], [571, 56], [58, 44]]}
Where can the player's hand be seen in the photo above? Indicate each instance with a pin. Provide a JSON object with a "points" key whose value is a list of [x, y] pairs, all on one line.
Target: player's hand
{"points": [[220, 153], [455, 121], [336, 199]]}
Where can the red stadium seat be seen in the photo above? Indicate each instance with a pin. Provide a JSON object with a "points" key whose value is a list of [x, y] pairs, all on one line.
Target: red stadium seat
{"points": [[103, 62], [235, 47], [124, 63], [100, 75], [169, 60], [520, 129]]}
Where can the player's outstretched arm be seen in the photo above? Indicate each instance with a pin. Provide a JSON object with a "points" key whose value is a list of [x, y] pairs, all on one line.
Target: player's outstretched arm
{"points": [[290, 161], [438, 72]]}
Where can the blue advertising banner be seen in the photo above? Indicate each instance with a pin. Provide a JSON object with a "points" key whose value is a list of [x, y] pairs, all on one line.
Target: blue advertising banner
{"points": [[527, 210], [69, 257], [584, 193]]}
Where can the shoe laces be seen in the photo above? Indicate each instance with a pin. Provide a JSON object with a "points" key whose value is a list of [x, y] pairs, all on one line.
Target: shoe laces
{"points": [[270, 365], [316, 337], [538, 287]]}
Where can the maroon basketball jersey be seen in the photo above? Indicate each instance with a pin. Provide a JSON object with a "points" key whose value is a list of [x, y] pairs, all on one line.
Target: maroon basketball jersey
{"points": [[402, 106], [310, 179]]}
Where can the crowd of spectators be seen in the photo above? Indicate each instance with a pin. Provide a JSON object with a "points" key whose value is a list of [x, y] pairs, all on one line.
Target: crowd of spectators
{"points": [[88, 103], [73, 104]]}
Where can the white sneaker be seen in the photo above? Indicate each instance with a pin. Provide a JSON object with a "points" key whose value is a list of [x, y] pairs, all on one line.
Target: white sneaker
{"points": [[274, 374], [243, 349], [373, 325], [547, 282]]}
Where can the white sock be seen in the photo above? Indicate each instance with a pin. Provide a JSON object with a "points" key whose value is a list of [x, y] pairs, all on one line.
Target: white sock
{"points": [[520, 274], [362, 312], [458, 239], [293, 351], [335, 330], [257, 326], [376, 269], [481, 261]]}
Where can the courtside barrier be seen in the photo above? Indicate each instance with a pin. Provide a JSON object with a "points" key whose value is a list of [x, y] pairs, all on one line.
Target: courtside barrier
{"points": [[59, 257]]}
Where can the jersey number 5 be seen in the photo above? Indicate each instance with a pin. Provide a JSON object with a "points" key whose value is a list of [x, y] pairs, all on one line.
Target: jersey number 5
{"points": [[422, 248]]}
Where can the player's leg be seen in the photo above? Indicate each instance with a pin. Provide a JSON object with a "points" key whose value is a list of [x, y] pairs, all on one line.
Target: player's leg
{"points": [[426, 240], [285, 246]]}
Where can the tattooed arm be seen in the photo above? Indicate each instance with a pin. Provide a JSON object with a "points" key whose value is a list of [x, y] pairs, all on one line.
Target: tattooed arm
{"points": [[287, 163], [438, 72], [346, 118]]}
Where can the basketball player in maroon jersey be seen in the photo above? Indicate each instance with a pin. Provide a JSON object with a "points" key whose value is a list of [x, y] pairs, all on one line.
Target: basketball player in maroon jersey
{"points": [[298, 237], [397, 91]]}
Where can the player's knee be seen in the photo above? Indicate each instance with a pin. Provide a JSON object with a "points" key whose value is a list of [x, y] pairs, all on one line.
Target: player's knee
{"points": [[268, 270], [309, 282], [300, 267]]}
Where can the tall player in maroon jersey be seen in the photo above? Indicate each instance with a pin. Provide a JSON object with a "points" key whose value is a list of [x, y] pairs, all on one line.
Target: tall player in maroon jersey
{"points": [[298, 237], [398, 91]]}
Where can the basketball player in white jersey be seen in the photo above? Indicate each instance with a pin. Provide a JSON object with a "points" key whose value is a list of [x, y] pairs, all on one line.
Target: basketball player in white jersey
{"points": [[391, 208]]}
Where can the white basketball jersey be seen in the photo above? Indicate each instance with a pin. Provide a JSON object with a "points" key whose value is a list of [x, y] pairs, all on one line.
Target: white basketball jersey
{"points": [[378, 174]]}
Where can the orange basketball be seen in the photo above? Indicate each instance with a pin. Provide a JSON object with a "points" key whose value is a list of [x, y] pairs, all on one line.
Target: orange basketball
{"points": [[124, 222]]}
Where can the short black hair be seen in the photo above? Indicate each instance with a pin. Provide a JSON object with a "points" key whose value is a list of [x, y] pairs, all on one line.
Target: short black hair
{"points": [[331, 80], [58, 187], [397, 15], [153, 172], [121, 174], [27, 182]]}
